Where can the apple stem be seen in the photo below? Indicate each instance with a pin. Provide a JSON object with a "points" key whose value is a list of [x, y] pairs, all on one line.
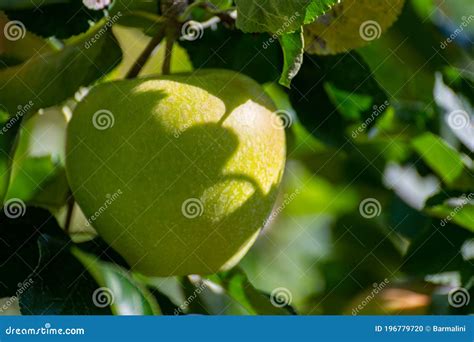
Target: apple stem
{"points": [[70, 210], [171, 36], [142, 59], [171, 9], [166, 69]]}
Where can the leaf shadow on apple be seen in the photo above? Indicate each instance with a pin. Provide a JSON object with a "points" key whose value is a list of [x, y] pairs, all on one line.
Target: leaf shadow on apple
{"points": [[197, 168]]}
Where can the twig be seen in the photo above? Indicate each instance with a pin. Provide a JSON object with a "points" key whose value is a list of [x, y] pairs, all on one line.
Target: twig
{"points": [[166, 69], [142, 59], [70, 211]]}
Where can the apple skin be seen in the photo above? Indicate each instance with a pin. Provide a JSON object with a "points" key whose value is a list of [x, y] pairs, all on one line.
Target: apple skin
{"points": [[184, 179]]}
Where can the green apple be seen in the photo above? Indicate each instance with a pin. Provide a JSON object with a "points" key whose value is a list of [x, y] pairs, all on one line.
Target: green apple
{"points": [[351, 24], [178, 173]]}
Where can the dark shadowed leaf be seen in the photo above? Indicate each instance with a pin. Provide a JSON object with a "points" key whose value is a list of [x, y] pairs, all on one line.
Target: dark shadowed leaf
{"points": [[119, 290], [50, 78], [255, 302]]}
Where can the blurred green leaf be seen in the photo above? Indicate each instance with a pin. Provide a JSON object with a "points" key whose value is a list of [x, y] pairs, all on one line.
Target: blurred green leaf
{"points": [[441, 157], [452, 206], [463, 216], [255, 302], [38, 172], [118, 289], [350, 105]]}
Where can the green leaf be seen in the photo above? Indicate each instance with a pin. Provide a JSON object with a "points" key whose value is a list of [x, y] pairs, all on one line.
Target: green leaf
{"points": [[350, 105], [50, 78], [293, 50], [118, 289], [462, 215], [14, 52], [47, 278], [255, 302], [278, 16], [317, 8], [442, 158], [38, 175], [454, 207]]}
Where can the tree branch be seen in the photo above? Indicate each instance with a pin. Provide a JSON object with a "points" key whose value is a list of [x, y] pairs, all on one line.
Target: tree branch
{"points": [[70, 211], [142, 59], [166, 69]]}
